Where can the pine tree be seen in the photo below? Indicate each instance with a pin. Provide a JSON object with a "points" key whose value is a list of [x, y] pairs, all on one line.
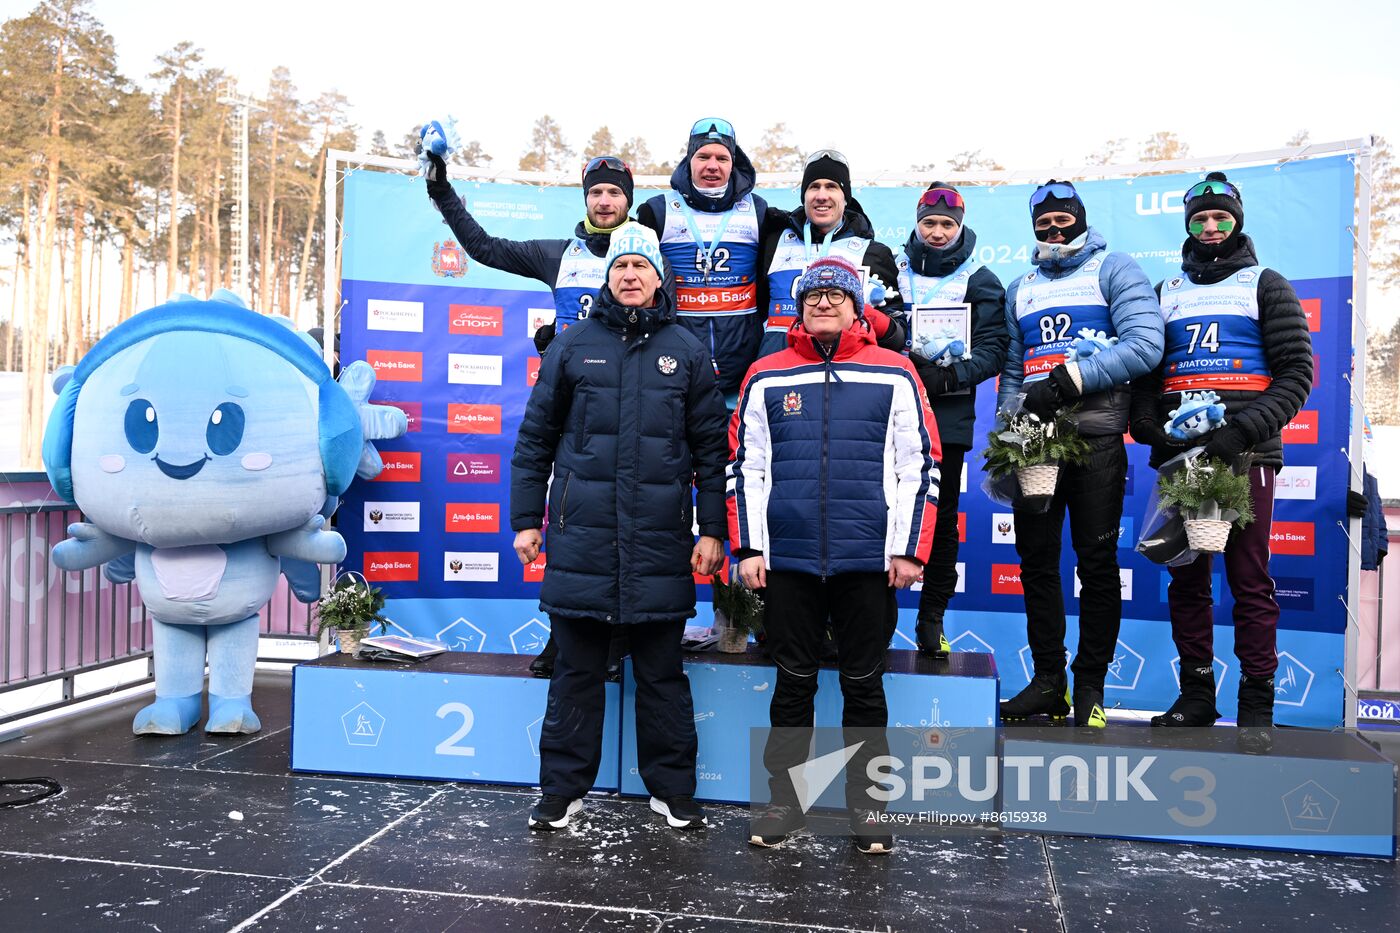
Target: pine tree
{"points": [[548, 150]]}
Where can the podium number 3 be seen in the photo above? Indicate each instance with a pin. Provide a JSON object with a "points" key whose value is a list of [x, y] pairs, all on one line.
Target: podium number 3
{"points": [[449, 746]]}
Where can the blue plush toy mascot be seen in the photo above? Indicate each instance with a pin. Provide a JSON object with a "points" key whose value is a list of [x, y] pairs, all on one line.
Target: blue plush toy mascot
{"points": [[212, 443], [1199, 414]]}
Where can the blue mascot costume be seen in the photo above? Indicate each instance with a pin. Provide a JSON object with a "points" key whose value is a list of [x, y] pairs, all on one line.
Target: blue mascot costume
{"points": [[210, 443]]}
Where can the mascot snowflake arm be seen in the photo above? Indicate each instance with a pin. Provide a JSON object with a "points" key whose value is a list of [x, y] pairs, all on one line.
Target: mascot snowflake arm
{"points": [[203, 440]]}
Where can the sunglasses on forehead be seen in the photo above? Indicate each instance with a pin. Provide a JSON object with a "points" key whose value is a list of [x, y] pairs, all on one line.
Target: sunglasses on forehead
{"points": [[713, 126], [1212, 186], [607, 162], [1062, 190], [948, 196], [831, 154]]}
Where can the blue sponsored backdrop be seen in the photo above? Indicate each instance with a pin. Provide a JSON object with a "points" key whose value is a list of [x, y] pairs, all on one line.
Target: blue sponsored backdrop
{"points": [[450, 340]]}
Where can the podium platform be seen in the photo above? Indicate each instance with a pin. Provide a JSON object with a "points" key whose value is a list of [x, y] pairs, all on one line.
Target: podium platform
{"points": [[459, 716], [732, 693], [1314, 791]]}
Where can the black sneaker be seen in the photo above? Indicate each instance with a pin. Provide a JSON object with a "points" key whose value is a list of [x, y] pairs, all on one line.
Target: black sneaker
{"points": [[774, 824], [1088, 707], [554, 812], [1045, 695], [932, 641], [870, 834], [681, 811]]}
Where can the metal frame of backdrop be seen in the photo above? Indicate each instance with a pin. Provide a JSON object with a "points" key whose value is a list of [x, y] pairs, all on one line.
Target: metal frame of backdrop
{"points": [[341, 163]]}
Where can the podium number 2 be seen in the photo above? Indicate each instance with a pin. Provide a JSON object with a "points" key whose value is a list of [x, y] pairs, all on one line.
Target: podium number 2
{"points": [[449, 746]]}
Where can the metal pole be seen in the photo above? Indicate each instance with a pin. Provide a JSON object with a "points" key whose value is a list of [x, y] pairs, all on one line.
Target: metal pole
{"points": [[243, 204], [1358, 415], [330, 287]]}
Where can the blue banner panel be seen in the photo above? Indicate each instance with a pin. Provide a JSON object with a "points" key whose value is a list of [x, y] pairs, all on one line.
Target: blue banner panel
{"points": [[450, 341], [453, 717]]}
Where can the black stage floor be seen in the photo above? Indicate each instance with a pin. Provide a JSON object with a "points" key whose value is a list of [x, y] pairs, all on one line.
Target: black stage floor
{"points": [[195, 833]]}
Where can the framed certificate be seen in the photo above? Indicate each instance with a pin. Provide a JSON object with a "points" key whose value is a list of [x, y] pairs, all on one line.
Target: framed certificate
{"points": [[942, 322]]}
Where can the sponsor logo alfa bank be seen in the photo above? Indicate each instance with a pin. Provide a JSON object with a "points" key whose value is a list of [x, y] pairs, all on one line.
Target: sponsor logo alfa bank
{"points": [[1006, 578], [403, 316], [473, 468], [400, 466], [534, 570], [478, 320], [396, 365], [473, 517], [1292, 538], [1296, 482], [465, 418], [473, 369], [391, 566], [391, 516], [470, 566], [532, 370], [1312, 309], [1302, 429]]}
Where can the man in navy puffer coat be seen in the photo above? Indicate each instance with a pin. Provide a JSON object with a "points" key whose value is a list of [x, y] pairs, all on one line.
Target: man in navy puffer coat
{"points": [[627, 418]]}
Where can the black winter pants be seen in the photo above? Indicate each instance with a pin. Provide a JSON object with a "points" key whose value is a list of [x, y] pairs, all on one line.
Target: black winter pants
{"points": [[941, 571], [798, 607], [1092, 493], [571, 738]]}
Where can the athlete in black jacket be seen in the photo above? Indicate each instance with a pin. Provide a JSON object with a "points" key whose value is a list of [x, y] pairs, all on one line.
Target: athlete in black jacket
{"points": [[1237, 329]]}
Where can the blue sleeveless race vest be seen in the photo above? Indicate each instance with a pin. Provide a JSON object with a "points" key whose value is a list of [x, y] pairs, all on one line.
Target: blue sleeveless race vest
{"points": [[1052, 312], [714, 255], [790, 260], [580, 276], [1212, 334]]}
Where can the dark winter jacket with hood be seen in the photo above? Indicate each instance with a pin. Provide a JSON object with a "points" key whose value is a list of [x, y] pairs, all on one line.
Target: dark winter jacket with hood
{"points": [[888, 320], [956, 412], [1257, 418], [731, 340], [627, 418]]}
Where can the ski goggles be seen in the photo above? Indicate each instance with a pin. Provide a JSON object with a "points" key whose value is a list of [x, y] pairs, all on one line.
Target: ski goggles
{"points": [[1212, 186], [1061, 190], [608, 162], [715, 128], [831, 154], [948, 196]]}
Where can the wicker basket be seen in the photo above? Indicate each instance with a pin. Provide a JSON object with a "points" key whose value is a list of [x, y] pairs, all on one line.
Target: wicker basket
{"points": [[733, 641], [1207, 535], [349, 640], [1038, 480]]}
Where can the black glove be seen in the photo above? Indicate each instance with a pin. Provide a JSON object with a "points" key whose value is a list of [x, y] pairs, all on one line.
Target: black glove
{"points": [[1226, 443], [1047, 396], [937, 380], [438, 185], [543, 336], [1150, 433], [1357, 503]]}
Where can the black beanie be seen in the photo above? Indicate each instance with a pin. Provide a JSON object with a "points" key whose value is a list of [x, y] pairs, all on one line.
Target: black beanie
{"points": [[1071, 205], [603, 175], [940, 208], [824, 166], [1216, 199]]}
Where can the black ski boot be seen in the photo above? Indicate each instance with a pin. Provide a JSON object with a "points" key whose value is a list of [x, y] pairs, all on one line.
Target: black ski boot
{"points": [[1256, 715], [1196, 705], [543, 665], [928, 630], [1045, 695], [1088, 706]]}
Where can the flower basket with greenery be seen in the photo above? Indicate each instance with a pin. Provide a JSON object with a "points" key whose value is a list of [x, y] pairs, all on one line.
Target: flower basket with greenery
{"points": [[350, 608], [1211, 498], [738, 612], [1034, 450]]}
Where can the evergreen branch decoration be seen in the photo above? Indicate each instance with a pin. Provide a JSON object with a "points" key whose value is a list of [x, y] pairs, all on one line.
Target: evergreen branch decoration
{"points": [[1026, 441], [351, 607], [741, 605], [1207, 486]]}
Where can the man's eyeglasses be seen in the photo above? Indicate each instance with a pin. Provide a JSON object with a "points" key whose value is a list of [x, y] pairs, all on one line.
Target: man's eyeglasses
{"points": [[834, 297]]}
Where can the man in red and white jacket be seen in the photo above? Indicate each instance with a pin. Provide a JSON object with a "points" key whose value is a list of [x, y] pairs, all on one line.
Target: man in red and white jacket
{"points": [[833, 496]]}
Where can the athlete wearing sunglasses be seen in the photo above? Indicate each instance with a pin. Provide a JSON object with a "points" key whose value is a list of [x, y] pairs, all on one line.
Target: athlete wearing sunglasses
{"points": [[1235, 328], [710, 225], [1077, 285], [939, 265]]}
